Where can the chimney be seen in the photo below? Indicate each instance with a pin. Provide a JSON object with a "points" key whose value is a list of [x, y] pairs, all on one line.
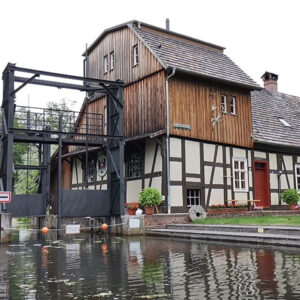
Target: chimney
{"points": [[270, 82], [167, 24]]}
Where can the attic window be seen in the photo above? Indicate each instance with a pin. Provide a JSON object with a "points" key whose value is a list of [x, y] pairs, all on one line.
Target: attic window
{"points": [[135, 53], [112, 60], [285, 123], [105, 64]]}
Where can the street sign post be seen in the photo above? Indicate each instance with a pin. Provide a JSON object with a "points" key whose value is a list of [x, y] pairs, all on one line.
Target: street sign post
{"points": [[5, 197]]}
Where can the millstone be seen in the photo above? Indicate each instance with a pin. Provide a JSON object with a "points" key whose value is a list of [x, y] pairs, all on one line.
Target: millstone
{"points": [[197, 212]]}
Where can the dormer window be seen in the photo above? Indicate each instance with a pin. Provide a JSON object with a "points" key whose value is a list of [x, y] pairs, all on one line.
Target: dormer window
{"points": [[112, 60], [285, 123], [233, 105], [105, 63], [135, 50], [224, 104]]}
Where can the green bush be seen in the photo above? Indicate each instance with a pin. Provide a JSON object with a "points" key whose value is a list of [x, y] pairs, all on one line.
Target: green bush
{"points": [[290, 196], [150, 197]]}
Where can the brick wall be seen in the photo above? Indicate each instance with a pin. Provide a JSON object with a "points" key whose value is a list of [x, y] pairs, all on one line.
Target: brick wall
{"points": [[161, 220]]}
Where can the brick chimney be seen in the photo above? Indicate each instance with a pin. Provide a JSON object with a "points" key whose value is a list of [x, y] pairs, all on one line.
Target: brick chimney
{"points": [[270, 82]]}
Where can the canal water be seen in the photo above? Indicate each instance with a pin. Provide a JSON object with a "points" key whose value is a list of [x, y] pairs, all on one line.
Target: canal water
{"points": [[104, 267]]}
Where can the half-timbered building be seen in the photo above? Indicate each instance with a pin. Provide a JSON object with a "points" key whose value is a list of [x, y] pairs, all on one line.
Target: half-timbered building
{"points": [[197, 127]]}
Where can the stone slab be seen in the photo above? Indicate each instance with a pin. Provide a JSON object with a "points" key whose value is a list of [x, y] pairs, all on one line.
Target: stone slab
{"points": [[6, 223]]}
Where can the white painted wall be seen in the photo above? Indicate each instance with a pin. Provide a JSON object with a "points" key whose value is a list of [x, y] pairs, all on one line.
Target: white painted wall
{"points": [[216, 197], [176, 195], [272, 161], [192, 154], [175, 171], [175, 147], [274, 199], [288, 160], [156, 183], [133, 190], [259, 154], [149, 156]]}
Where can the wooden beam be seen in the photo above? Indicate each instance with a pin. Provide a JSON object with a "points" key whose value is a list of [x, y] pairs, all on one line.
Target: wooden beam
{"points": [[212, 175]]}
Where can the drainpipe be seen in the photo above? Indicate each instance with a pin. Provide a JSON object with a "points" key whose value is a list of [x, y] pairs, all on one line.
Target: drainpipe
{"points": [[168, 137]]}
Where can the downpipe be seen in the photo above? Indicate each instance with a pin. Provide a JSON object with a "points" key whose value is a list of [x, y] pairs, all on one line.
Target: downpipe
{"points": [[168, 138]]}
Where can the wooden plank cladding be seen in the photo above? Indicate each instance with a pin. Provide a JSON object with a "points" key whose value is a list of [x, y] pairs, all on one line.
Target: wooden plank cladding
{"points": [[191, 103], [121, 42], [145, 107]]}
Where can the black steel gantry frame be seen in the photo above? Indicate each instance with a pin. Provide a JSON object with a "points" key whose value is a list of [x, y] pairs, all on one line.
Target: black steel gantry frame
{"points": [[44, 135]]}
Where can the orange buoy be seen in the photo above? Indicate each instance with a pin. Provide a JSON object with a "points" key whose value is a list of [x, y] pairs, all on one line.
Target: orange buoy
{"points": [[45, 230], [104, 226], [104, 247]]}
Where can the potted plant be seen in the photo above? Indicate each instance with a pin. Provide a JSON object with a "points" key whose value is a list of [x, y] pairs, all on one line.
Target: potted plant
{"points": [[291, 197], [149, 198], [131, 208]]}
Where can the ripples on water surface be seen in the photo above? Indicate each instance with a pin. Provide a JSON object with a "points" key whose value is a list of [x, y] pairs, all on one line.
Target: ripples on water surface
{"points": [[94, 267]]}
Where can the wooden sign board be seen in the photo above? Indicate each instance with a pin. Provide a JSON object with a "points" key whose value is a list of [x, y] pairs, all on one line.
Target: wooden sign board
{"points": [[73, 229], [5, 197]]}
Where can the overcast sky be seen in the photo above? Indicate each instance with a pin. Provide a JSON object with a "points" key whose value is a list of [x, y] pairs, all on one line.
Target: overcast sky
{"points": [[51, 34]]}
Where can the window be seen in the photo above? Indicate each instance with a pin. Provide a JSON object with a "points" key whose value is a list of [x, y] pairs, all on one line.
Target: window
{"points": [[135, 55], [112, 60], [224, 104], [297, 170], [135, 165], [193, 197], [284, 122], [240, 173], [233, 105], [105, 64], [91, 171]]}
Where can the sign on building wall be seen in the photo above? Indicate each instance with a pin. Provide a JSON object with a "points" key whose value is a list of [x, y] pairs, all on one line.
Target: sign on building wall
{"points": [[102, 165], [5, 197]]}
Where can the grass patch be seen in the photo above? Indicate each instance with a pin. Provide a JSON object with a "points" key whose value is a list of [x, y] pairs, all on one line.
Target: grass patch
{"points": [[262, 220]]}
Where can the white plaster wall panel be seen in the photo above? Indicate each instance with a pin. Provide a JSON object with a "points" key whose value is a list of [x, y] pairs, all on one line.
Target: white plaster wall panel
{"points": [[272, 161], [240, 196], [291, 180], [176, 195], [249, 158], [149, 155], [79, 172], [220, 155], [176, 170], [229, 195], [251, 195], [207, 172], [298, 159], [250, 181], [283, 181], [192, 157], [99, 177], [259, 154], [273, 181], [192, 179], [241, 153], [104, 187], [228, 159], [274, 199], [175, 147], [133, 189], [288, 160], [209, 150], [73, 173], [216, 197], [218, 176], [156, 183]]}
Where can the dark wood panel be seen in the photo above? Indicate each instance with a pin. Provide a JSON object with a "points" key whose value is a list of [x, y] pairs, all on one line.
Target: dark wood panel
{"points": [[121, 42], [191, 102]]}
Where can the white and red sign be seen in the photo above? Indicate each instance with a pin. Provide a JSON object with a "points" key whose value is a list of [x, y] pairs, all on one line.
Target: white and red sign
{"points": [[5, 197]]}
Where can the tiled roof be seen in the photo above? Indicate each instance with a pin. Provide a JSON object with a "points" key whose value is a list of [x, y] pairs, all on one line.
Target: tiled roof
{"points": [[267, 109], [193, 58]]}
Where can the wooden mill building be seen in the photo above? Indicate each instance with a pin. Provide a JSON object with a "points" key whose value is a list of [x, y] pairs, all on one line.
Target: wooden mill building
{"points": [[197, 127]]}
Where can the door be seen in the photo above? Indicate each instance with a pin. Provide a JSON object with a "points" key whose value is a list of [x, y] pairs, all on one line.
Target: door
{"points": [[262, 183]]}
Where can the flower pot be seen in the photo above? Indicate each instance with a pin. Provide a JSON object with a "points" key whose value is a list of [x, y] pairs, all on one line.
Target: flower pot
{"points": [[293, 206], [131, 211], [149, 210]]}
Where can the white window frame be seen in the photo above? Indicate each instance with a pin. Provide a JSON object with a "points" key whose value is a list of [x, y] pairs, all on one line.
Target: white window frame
{"points": [[224, 104], [239, 170], [105, 63], [195, 198], [233, 105], [297, 166], [135, 53], [112, 60]]}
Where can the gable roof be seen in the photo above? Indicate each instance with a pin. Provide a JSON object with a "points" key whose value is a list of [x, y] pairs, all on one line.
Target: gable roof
{"points": [[267, 109], [186, 54]]}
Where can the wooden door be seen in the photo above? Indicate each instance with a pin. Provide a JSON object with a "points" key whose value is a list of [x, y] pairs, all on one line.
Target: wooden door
{"points": [[261, 183]]}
